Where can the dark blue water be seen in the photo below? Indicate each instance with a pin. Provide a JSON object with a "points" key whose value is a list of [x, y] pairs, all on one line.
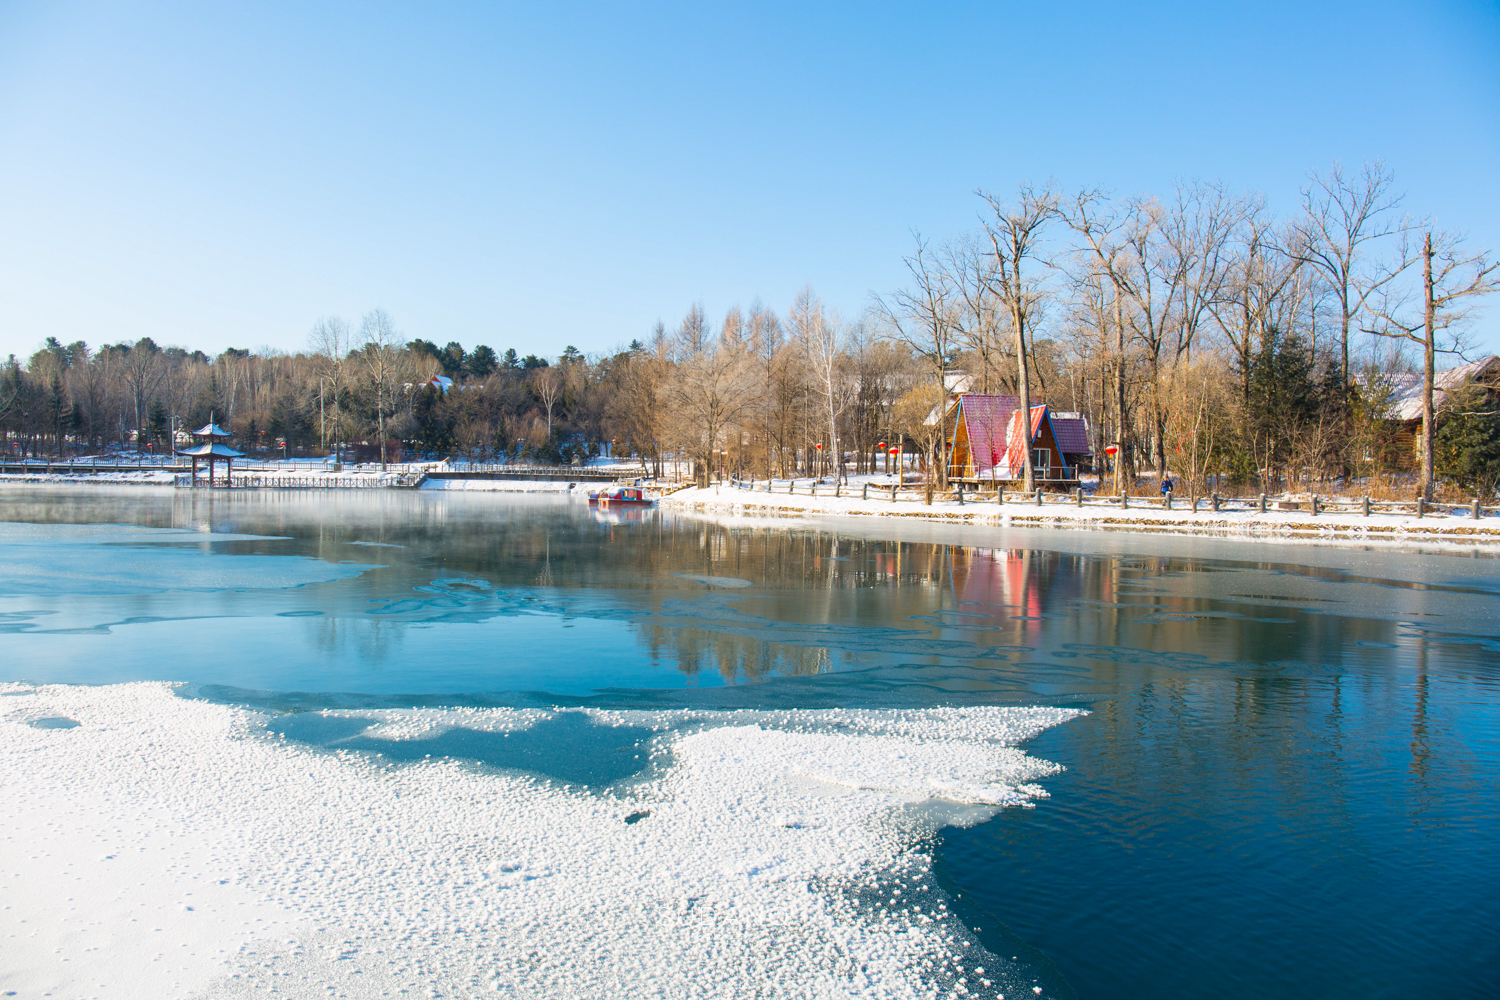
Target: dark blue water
{"points": [[1287, 785]]}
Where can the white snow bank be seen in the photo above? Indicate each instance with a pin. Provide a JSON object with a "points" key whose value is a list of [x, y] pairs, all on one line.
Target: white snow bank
{"points": [[500, 485], [1057, 512], [168, 847]]}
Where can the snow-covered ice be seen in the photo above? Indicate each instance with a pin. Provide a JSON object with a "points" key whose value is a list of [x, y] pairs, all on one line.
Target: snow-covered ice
{"points": [[170, 847]]}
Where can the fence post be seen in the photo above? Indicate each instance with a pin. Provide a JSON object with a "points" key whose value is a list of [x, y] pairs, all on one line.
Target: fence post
{"points": [[1262, 503], [1124, 501], [1168, 498], [791, 485], [1315, 504], [1476, 508], [1000, 495], [865, 495], [893, 493], [1038, 496], [1367, 507], [960, 494], [1078, 496], [1421, 506], [1216, 501]]}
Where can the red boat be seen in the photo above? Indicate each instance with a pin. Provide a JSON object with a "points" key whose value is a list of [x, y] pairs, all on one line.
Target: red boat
{"points": [[621, 496]]}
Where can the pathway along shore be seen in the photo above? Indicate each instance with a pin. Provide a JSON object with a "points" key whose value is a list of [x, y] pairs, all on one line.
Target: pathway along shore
{"points": [[1236, 517]]}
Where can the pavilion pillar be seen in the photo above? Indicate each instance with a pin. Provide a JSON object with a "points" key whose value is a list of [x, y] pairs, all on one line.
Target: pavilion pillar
{"points": [[195, 472]]}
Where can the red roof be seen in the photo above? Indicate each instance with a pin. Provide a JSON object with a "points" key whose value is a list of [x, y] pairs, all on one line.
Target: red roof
{"points": [[985, 417]]}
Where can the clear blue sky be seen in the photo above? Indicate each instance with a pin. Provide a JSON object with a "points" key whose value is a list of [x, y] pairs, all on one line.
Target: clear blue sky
{"points": [[532, 177]]}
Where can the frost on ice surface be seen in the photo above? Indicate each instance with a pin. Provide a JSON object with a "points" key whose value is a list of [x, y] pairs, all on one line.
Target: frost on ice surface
{"points": [[170, 847]]}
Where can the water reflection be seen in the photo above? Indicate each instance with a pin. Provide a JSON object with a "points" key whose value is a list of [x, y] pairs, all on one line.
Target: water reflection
{"points": [[1287, 784]]}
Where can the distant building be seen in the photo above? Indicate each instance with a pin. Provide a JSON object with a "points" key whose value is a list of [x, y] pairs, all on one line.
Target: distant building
{"points": [[1405, 402], [987, 441]]}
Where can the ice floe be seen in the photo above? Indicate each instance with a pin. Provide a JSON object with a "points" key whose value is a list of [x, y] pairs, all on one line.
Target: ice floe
{"points": [[173, 847]]}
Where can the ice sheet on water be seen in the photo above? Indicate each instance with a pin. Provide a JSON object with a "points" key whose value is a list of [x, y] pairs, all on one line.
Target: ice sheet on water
{"points": [[749, 861], [100, 559]]}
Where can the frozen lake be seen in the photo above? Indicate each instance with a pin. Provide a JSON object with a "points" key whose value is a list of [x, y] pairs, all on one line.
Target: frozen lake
{"points": [[459, 743]]}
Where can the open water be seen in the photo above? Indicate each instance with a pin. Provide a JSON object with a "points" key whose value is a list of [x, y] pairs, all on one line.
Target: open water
{"points": [[1288, 782]]}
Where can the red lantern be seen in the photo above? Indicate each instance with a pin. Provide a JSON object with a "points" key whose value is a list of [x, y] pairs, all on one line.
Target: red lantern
{"points": [[1111, 449], [820, 447], [895, 451]]}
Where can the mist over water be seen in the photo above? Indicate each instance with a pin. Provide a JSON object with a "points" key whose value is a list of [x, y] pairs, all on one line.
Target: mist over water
{"points": [[1286, 785]]}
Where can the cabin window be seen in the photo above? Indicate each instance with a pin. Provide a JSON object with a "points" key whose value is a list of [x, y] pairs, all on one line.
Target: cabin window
{"points": [[1041, 458]]}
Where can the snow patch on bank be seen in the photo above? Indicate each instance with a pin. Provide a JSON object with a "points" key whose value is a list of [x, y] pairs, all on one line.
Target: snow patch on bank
{"points": [[503, 485], [1238, 521], [170, 847]]}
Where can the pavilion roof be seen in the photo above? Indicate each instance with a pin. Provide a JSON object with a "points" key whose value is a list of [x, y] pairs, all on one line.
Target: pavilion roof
{"points": [[211, 430], [214, 450]]}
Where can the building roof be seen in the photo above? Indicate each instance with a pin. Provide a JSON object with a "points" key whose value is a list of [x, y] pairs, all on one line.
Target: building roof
{"points": [[1072, 432], [211, 429], [1405, 403], [214, 450]]}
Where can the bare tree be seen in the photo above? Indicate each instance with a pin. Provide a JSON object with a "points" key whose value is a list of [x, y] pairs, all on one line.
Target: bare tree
{"points": [[1014, 234], [1104, 228], [547, 383], [924, 317], [1450, 277], [1342, 216], [381, 355], [711, 388], [143, 371], [329, 342], [823, 339], [1259, 274]]}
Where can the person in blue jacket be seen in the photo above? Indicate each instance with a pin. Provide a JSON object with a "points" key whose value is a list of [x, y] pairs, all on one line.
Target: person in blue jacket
{"points": [[1167, 486]]}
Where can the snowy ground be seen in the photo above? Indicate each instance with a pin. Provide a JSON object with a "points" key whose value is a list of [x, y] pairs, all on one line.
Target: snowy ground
{"points": [[1062, 511], [156, 846], [143, 478]]}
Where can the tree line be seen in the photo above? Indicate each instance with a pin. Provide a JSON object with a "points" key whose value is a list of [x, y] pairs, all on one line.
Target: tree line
{"points": [[1199, 332]]}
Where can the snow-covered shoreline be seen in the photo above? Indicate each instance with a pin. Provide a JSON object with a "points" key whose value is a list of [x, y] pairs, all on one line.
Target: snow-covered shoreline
{"points": [[1060, 513]]}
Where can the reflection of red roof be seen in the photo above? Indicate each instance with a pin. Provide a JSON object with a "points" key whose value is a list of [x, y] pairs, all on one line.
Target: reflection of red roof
{"points": [[1072, 435]]}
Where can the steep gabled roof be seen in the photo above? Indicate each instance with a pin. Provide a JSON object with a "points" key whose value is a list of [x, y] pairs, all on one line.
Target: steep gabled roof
{"points": [[986, 418], [1072, 433]]}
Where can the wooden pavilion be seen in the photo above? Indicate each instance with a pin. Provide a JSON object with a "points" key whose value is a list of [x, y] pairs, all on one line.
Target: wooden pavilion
{"points": [[212, 449]]}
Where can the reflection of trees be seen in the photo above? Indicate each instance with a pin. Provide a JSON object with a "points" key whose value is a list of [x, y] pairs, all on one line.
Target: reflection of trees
{"points": [[736, 659], [358, 640]]}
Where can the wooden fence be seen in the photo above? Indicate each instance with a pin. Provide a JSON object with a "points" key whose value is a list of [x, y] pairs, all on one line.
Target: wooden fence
{"points": [[1213, 503]]}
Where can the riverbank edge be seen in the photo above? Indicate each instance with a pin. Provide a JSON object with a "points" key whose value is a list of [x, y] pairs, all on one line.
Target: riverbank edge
{"points": [[1269, 527]]}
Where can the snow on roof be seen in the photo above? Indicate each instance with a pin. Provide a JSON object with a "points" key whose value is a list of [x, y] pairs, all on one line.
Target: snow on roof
{"points": [[1405, 403], [211, 429], [216, 450]]}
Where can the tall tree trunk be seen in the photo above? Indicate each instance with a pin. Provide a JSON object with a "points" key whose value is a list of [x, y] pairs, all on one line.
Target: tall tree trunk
{"points": [[1023, 374], [1429, 352], [1121, 459]]}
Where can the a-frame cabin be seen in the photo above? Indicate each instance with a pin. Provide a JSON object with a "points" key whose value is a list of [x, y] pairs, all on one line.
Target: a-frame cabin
{"points": [[987, 444]]}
